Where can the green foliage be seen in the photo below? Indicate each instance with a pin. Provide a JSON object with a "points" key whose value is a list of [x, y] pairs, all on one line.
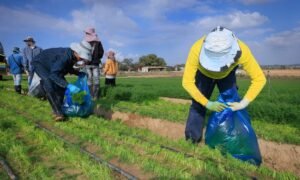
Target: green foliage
{"points": [[33, 154], [151, 60], [79, 97], [120, 93], [275, 109], [277, 105], [117, 141]]}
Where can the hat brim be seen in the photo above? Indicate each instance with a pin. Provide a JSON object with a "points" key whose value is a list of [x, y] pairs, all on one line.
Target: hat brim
{"points": [[26, 40], [218, 62], [78, 49]]}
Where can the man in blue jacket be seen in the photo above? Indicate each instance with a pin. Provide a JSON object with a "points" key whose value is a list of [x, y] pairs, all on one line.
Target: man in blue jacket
{"points": [[29, 52], [51, 65], [15, 66]]}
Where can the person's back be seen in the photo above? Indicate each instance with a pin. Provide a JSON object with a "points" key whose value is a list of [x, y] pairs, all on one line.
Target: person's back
{"points": [[111, 67], [15, 63], [48, 57], [15, 67]]}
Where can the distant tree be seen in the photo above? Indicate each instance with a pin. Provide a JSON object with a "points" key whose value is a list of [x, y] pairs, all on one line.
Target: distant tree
{"points": [[151, 60], [122, 67], [126, 65]]}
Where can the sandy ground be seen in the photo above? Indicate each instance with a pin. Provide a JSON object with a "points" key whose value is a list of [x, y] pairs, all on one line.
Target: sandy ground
{"points": [[282, 157]]}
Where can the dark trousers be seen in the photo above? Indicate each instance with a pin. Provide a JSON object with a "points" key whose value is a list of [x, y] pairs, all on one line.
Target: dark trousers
{"points": [[195, 121], [110, 82], [55, 94]]}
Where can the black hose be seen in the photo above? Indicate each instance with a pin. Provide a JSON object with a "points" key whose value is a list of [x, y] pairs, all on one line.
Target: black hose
{"points": [[90, 154], [7, 168]]}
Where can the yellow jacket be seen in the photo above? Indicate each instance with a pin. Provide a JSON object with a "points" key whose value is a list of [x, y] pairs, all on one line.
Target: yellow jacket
{"points": [[111, 67], [247, 61]]}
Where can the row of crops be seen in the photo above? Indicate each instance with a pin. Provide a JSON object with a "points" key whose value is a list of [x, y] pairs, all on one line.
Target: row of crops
{"points": [[35, 154]]}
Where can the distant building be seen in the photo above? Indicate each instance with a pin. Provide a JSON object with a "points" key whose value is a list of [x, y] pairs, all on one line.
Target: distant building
{"points": [[152, 68], [179, 67]]}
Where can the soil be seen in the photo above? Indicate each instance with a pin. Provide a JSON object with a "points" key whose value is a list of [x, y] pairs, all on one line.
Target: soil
{"points": [[176, 100], [282, 157], [283, 72]]}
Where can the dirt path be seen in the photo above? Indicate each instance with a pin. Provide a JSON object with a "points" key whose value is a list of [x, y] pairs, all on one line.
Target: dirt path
{"points": [[176, 100], [282, 157]]}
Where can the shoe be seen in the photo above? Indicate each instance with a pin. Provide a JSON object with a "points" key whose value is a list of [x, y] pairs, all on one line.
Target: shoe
{"points": [[59, 118], [55, 104]]}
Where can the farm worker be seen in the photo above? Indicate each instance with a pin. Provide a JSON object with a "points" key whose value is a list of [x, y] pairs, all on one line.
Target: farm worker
{"points": [[51, 65], [29, 52], [213, 60], [93, 68], [110, 69], [15, 67], [2, 57]]}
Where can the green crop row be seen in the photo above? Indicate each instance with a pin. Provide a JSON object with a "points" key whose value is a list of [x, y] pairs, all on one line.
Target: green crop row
{"points": [[161, 109], [278, 105], [116, 140], [33, 154]]}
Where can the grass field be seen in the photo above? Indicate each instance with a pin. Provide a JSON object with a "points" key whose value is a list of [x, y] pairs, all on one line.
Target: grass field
{"points": [[33, 154]]}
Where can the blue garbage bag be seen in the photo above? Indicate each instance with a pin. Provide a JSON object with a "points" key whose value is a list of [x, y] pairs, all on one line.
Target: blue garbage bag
{"points": [[78, 104], [232, 132]]}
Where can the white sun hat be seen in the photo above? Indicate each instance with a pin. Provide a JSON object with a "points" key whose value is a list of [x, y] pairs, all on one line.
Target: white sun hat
{"points": [[220, 50], [83, 49]]}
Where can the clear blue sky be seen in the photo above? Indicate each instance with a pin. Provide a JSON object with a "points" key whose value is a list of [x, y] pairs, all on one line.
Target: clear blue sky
{"points": [[165, 27]]}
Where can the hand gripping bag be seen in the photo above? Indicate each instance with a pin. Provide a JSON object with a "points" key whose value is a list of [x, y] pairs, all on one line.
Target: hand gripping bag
{"points": [[232, 132]]}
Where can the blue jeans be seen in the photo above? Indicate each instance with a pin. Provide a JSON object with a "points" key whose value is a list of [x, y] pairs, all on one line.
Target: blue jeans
{"points": [[195, 121], [17, 79], [93, 75]]}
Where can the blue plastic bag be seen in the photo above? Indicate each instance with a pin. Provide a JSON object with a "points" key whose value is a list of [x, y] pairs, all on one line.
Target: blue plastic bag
{"points": [[232, 132], [83, 108]]}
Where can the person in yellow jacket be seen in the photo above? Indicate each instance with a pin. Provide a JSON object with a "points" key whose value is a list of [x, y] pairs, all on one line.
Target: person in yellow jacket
{"points": [[110, 69], [213, 60]]}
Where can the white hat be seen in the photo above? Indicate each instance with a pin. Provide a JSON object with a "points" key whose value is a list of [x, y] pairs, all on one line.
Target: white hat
{"points": [[84, 49], [220, 50]]}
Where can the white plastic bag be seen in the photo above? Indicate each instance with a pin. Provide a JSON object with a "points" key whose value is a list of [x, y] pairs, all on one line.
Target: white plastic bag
{"points": [[35, 89]]}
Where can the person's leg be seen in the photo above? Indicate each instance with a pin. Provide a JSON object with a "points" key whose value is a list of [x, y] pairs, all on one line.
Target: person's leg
{"points": [[49, 88], [89, 71], [96, 79], [107, 84], [15, 82], [228, 82], [113, 82], [196, 118], [18, 79]]}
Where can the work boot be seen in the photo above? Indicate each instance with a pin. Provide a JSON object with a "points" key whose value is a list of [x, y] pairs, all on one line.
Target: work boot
{"points": [[56, 106], [96, 92], [59, 118], [18, 89]]}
